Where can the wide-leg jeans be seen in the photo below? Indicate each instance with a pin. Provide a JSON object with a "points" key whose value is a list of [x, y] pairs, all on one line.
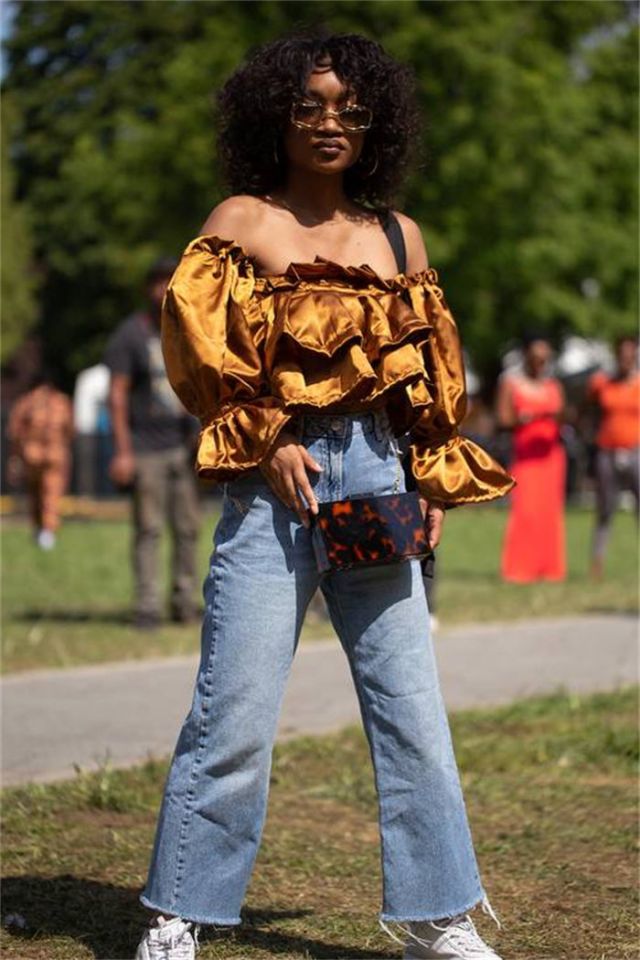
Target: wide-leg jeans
{"points": [[261, 579]]}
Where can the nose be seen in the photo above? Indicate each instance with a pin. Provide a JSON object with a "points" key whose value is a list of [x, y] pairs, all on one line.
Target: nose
{"points": [[330, 125]]}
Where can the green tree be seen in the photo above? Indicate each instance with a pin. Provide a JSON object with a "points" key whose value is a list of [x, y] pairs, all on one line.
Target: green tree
{"points": [[18, 282], [526, 189]]}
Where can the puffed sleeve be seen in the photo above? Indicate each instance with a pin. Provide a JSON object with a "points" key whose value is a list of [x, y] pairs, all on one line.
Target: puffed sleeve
{"points": [[212, 334], [447, 466]]}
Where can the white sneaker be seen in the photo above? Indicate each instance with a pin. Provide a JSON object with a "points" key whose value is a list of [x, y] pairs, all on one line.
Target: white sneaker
{"points": [[458, 940], [46, 539], [169, 940]]}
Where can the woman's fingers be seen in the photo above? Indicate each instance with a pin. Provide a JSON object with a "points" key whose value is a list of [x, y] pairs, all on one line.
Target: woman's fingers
{"points": [[435, 521], [303, 478], [284, 487], [433, 515], [308, 460], [295, 501], [286, 473], [276, 483], [304, 487]]}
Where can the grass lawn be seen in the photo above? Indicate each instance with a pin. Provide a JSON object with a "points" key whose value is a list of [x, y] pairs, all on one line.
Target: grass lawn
{"points": [[550, 787], [71, 606]]}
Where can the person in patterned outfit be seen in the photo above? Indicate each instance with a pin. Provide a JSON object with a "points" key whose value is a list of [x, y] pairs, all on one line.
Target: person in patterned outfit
{"points": [[40, 431]]}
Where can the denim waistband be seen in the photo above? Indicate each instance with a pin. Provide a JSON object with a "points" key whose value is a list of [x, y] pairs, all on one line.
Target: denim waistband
{"points": [[340, 424]]}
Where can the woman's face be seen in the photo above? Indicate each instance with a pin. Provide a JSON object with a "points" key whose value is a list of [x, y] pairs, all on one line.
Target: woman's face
{"points": [[328, 148], [627, 356], [537, 356]]}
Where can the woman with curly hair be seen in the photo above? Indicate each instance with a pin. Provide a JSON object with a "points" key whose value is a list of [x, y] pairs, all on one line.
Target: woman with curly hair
{"points": [[306, 330]]}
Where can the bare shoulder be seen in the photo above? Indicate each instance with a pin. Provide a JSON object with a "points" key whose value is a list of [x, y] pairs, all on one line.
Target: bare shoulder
{"points": [[236, 218], [417, 258]]}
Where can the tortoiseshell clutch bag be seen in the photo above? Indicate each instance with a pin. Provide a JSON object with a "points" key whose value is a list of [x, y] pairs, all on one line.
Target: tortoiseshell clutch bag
{"points": [[369, 530]]}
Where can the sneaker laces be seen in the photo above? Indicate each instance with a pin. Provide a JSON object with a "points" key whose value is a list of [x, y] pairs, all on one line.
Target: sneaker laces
{"points": [[460, 927], [486, 907], [176, 942]]}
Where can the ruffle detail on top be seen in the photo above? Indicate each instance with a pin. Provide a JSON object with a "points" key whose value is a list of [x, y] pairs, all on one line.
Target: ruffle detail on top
{"points": [[336, 345], [245, 353], [458, 471], [239, 438]]}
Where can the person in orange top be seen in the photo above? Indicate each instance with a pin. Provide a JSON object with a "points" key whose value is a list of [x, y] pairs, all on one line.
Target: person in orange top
{"points": [[40, 431], [531, 403], [617, 401]]}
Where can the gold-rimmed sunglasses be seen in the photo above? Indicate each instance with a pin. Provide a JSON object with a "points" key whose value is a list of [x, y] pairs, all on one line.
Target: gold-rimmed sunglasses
{"points": [[307, 114]]}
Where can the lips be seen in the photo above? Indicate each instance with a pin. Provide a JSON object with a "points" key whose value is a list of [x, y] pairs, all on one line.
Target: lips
{"points": [[333, 145]]}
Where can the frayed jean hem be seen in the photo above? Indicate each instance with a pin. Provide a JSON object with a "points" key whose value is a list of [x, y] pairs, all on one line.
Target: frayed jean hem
{"points": [[205, 921], [481, 901]]}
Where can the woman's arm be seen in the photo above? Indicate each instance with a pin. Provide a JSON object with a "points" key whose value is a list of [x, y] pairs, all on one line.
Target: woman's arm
{"points": [[505, 412], [213, 363], [122, 466]]}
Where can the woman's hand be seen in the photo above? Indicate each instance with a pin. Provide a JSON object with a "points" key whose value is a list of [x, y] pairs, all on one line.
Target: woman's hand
{"points": [[433, 514], [285, 470]]}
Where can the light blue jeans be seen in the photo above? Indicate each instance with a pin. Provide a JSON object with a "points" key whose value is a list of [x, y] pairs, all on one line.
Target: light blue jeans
{"points": [[261, 579]]}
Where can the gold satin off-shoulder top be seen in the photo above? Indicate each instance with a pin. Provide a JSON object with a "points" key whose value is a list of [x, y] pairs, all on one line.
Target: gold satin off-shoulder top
{"points": [[246, 354]]}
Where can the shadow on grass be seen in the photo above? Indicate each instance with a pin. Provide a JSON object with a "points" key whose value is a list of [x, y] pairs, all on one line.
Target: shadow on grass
{"points": [[109, 921]]}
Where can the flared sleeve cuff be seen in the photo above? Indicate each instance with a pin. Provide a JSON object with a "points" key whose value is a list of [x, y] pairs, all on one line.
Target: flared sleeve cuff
{"points": [[239, 438], [457, 471]]}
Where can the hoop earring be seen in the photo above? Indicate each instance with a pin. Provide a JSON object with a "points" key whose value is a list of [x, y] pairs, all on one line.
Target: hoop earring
{"points": [[369, 173]]}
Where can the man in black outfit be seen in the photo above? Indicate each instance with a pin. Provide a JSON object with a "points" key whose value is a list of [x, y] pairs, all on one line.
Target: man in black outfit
{"points": [[153, 439]]}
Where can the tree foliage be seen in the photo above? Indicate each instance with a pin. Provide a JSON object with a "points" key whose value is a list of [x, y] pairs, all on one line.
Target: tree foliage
{"points": [[18, 280], [526, 192]]}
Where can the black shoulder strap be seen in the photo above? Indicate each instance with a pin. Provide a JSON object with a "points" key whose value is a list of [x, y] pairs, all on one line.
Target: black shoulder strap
{"points": [[393, 230]]}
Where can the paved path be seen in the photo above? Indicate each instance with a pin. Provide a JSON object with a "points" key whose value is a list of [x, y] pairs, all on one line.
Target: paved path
{"points": [[126, 711]]}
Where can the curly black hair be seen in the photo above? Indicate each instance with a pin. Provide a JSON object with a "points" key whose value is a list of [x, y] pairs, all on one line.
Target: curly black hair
{"points": [[255, 102]]}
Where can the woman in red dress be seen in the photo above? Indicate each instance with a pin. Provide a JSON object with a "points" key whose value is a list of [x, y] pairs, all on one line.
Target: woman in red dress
{"points": [[531, 404]]}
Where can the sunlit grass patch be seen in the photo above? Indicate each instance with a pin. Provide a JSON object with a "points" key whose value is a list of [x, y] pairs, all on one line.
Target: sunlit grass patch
{"points": [[550, 787]]}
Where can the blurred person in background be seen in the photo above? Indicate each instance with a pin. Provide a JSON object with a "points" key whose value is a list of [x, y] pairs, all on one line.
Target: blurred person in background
{"points": [[304, 369], [153, 456], [530, 403], [40, 431], [91, 419], [615, 400]]}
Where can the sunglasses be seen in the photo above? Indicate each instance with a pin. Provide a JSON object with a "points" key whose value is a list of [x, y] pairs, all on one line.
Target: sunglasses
{"points": [[308, 115]]}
